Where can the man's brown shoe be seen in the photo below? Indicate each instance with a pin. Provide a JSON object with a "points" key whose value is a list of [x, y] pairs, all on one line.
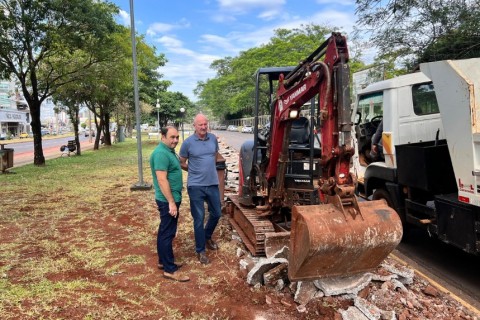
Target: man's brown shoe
{"points": [[178, 264], [176, 276], [211, 245], [202, 257]]}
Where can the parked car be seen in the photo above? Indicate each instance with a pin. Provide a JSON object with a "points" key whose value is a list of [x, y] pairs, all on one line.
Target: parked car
{"points": [[222, 127], [247, 129], [24, 135], [87, 133], [232, 128], [44, 132]]}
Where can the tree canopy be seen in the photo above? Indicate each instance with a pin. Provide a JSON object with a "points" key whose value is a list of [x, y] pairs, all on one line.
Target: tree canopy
{"points": [[416, 31], [38, 40]]}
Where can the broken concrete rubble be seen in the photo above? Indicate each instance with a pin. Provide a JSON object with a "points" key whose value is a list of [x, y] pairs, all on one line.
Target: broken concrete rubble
{"points": [[255, 275], [343, 285], [306, 290]]}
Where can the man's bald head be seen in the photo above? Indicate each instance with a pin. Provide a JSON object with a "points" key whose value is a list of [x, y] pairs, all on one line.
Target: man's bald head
{"points": [[200, 123]]}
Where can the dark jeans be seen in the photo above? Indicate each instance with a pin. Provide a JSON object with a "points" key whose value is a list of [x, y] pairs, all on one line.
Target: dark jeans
{"points": [[166, 233], [198, 196]]}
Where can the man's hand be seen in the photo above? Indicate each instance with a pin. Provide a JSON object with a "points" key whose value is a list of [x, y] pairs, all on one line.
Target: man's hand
{"points": [[375, 148], [173, 209]]}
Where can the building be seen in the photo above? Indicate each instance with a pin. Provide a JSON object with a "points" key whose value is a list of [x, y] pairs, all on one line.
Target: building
{"points": [[14, 113]]}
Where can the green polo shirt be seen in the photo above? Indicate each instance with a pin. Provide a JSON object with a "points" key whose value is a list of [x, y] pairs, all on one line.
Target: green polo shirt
{"points": [[164, 159]]}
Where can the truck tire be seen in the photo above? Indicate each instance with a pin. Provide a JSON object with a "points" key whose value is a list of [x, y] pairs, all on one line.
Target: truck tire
{"points": [[383, 194]]}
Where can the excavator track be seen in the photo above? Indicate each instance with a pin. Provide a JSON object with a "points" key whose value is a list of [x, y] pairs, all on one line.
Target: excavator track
{"points": [[250, 226]]}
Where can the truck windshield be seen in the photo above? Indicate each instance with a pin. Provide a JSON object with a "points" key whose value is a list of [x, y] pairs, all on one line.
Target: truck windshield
{"points": [[370, 106]]}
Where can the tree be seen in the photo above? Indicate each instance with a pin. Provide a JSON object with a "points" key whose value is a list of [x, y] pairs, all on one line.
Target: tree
{"points": [[416, 31], [170, 104], [37, 35]]}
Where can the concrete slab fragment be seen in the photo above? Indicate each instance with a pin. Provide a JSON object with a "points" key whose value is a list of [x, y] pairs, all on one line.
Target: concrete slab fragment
{"points": [[352, 313], [405, 275], [343, 285], [305, 292], [255, 275]]}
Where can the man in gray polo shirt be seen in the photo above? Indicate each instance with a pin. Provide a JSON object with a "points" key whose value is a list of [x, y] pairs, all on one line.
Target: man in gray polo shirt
{"points": [[200, 150]]}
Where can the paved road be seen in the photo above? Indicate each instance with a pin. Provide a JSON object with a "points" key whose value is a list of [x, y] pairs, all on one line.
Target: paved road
{"points": [[449, 267], [23, 150]]}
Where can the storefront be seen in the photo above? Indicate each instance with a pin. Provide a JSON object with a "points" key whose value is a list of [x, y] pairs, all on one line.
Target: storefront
{"points": [[13, 122]]}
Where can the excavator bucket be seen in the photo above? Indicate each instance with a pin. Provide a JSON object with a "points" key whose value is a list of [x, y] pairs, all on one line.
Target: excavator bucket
{"points": [[327, 242]]}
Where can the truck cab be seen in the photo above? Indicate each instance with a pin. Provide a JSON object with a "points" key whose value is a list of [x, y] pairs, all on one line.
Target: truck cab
{"points": [[422, 172], [408, 107]]}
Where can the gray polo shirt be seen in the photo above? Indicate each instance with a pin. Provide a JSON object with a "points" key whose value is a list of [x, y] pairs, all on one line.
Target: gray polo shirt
{"points": [[202, 158]]}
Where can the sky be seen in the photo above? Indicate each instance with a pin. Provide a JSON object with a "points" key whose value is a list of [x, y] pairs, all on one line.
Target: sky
{"points": [[194, 33]]}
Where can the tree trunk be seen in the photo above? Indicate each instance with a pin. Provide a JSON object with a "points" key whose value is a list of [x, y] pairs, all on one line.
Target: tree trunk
{"points": [[73, 113], [107, 137], [38, 157]]}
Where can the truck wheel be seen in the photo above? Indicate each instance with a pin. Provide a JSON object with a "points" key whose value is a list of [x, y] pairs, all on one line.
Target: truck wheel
{"points": [[383, 194]]}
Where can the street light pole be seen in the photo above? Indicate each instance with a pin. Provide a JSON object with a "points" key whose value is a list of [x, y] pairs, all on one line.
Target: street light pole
{"points": [[182, 110], [140, 185], [158, 117]]}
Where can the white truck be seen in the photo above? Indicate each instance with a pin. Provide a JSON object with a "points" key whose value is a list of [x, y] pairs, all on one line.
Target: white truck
{"points": [[430, 171]]}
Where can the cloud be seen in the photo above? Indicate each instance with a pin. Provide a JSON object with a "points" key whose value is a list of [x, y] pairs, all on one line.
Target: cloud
{"points": [[169, 42], [162, 28], [229, 8], [124, 17], [246, 5], [185, 73], [218, 42], [159, 27]]}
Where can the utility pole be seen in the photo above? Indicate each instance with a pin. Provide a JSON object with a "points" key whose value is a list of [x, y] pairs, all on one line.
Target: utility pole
{"points": [[140, 185]]}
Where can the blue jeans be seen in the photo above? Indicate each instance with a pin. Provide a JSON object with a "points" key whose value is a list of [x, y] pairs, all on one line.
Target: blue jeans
{"points": [[166, 233], [199, 195]]}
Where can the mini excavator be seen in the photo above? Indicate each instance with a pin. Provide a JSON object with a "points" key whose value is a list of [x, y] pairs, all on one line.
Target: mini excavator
{"points": [[295, 188]]}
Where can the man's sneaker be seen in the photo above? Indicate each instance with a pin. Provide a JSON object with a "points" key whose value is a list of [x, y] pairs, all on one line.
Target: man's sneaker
{"points": [[176, 276], [211, 245], [202, 257]]}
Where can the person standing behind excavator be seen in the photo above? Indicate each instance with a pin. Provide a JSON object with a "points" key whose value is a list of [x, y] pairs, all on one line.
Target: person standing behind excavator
{"points": [[200, 150]]}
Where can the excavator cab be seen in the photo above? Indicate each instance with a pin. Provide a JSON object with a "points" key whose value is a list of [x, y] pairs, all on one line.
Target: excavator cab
{"points": [[296, 190]]}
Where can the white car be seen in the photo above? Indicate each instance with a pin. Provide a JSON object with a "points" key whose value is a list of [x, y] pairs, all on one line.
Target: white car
{"points": [[232, 128], [247, 129]]}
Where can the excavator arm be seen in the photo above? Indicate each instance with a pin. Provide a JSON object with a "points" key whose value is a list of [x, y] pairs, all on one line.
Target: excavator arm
{"points": [[329, 80]]}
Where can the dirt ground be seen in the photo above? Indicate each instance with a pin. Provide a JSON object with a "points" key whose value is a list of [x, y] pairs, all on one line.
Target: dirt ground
{"points": [[137, 290], [133, 289]]}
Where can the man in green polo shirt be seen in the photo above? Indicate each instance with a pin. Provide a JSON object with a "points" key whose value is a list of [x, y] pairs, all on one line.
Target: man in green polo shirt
{"points": [[168, 184]]}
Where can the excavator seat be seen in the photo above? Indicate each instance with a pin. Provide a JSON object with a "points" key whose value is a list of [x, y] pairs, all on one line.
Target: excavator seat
{"points": [[300, 137]]}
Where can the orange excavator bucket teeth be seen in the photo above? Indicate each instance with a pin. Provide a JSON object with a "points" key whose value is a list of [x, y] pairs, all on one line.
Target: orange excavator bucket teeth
{"points": [[326, 242]]}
